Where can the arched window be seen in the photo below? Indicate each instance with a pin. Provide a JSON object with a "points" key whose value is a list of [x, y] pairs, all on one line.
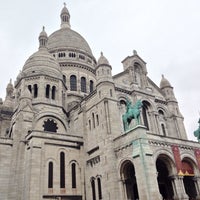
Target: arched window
{"points": [[64, 79], [30, 88], [91, 86], [50, 175], [93, 120], [163, 129], [35, 88], [111, 93], [47, 91], [145, 113], [89, 124], [93, 189], [99, 188], [73, 83], [73, 175], [62, 170], [83, 84], [97, 118], [137, 69], [53, 92]]}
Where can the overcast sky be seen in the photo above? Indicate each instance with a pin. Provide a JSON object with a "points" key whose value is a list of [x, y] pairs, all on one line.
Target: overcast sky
{"points": [[165, 33]]}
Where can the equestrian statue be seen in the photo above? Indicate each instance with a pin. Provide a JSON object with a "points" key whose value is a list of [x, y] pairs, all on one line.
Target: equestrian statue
{"points": [[132, 112], [197, 132]]}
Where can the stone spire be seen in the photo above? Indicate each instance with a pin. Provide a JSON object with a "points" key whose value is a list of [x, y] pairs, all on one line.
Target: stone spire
{"points": [[65, 17], [9, 100], [9, 89], [43, 38], [103, 69]]}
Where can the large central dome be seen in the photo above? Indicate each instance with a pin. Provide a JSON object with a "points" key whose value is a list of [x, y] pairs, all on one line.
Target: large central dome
{"points": [[65, 38]]}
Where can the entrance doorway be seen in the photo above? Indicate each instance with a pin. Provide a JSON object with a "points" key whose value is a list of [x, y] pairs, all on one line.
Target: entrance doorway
{"points": [[164, 182], [129, 179]]}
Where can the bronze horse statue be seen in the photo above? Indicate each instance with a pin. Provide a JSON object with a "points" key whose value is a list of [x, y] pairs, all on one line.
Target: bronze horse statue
{"points": [[132, 112]]}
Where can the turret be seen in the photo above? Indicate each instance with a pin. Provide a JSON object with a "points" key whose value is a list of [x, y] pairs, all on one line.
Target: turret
{"points": [[167, 89], [43, 38], [175, 114], [9, 100], [103, 70], [105, 83]]}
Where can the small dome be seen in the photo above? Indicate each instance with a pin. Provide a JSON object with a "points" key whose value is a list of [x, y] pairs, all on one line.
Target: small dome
{"points": [[164, 83], [42, 62], [102, 60], [64, 10], [43, 33]]}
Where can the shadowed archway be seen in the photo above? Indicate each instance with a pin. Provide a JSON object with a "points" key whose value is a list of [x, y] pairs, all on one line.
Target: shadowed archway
{"points": [[129, 180]]}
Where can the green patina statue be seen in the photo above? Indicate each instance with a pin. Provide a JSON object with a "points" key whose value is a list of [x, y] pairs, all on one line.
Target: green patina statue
{"points": [[132, 112], [197, 132]]}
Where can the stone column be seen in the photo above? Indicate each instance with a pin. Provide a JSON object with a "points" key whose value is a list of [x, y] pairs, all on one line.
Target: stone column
{"points": [[178, 187], [197, 186], [123, 189], [145, 169]]}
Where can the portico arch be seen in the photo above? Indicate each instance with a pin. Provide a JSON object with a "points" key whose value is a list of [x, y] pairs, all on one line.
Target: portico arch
{"points": [[127, 173], [188, 178], [164, 170]]}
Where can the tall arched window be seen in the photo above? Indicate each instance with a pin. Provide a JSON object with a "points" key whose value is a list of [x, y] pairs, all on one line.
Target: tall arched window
{"points": [[53, 92], [91, 86], [64, 79], [30, 88], [83, 84], [62, 170], [93, 120], [93, 189], [137, 70], [73, 83], [47, 91], [50, 175], [145, 113], [73, 175], [99, 188], [97, 117], [89, 124], [35, 88], [163, 129]]}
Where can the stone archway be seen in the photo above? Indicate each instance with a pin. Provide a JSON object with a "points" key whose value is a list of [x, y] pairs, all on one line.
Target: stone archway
{"points": [[164, 181], [129, 181], [188, 179]]}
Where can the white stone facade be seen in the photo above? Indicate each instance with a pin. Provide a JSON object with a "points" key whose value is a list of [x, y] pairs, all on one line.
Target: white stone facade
{"points": [[62, 134]]}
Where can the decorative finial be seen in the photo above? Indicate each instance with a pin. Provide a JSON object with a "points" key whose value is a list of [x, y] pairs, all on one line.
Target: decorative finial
{"points": [[43, 28], [101, 53], [64, 4], [134, 52], [162, 75]]}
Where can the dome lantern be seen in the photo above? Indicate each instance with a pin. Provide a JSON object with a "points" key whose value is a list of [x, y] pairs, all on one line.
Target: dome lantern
{"points": [[65, 17], [43, 38]]}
